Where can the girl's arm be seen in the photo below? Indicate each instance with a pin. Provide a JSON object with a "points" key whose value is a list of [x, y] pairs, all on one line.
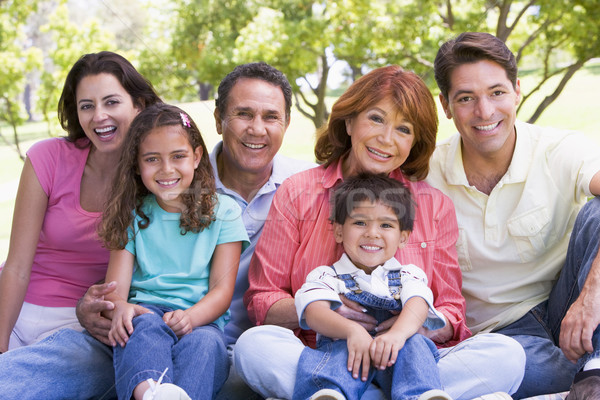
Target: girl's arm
{"points": [[385, 347], [223, 272], [30, 208], [322, 319], [120, 270]]}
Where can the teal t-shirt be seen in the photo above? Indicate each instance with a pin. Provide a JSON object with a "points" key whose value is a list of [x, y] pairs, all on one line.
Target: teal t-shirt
{"points": [[172, 269]]}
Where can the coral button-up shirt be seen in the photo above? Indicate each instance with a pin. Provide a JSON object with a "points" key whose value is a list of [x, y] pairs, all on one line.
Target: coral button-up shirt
{"points": [[298, 237]]}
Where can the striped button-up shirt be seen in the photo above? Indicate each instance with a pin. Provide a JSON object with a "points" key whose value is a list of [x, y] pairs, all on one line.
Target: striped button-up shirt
{"points": [[298, 237]]}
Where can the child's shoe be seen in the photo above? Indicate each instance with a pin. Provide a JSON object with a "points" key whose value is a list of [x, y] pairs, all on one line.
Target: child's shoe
{"points": [[327, 394], [495, 396], [165, 391], [435, 394]]}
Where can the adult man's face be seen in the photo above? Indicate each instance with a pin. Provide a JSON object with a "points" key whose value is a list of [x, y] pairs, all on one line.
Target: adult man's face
{"points": [[253, 125], [483, 103]]}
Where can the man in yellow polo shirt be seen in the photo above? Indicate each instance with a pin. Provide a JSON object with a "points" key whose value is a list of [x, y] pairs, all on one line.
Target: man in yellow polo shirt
{"points": [[518, 189]]}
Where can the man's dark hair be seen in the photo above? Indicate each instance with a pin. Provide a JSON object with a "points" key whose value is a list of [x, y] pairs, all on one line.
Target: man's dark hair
{"points": [[468, 48], [257, 70]]}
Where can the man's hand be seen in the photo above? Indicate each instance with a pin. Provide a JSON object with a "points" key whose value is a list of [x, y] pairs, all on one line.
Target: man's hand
{"points": [[579, 324], [355, 312], [90, 307]]}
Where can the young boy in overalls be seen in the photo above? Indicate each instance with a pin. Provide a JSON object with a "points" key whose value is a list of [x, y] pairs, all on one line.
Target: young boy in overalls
{"points": [[372, 217]]}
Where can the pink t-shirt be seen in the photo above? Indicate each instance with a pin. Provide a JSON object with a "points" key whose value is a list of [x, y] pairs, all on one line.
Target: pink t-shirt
{"points": [[69, 257]]}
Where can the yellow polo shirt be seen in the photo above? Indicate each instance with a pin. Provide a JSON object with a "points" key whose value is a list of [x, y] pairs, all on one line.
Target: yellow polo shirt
{"points": [[512, 244]]}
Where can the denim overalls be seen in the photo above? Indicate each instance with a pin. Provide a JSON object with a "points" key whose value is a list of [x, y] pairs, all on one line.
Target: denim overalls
{"points": [[414, 372]]}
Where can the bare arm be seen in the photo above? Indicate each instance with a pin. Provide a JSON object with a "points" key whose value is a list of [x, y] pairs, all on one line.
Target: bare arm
{"points": [[283, 313], [30, 208], [223, 271], [595, 184], [120, 270]]}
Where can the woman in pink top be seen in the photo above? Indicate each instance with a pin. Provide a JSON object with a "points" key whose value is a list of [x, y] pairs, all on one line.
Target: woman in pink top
{"points": [[54, 253], [386, 122]]}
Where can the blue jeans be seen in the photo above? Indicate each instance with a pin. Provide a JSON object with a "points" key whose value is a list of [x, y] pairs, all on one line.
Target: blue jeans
{"points": [[197, 362], [547, 370], [66, 365], [414, 373], [267, 358]]}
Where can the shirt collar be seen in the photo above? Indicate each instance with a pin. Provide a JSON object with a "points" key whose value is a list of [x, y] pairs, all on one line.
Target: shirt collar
{"points": [[454, 170]]}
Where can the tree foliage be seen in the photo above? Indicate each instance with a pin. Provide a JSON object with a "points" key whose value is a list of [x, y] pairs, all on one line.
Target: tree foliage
{"points": [[17, 59], [185, 47]]}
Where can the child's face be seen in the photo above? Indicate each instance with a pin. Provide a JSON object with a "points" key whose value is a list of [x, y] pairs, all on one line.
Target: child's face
{"points": [[370, 235], [166, 163]]}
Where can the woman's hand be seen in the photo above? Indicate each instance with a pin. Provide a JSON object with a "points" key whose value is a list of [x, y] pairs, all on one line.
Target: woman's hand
{"points": [[355, 312], [179, 321], [358, 342]]}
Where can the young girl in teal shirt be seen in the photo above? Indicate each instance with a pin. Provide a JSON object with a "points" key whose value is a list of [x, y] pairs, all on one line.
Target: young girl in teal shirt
{"points": [[175, 247]]}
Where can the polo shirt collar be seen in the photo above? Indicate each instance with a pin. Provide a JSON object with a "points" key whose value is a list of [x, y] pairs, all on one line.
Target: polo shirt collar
{"points": [[454, 170]]}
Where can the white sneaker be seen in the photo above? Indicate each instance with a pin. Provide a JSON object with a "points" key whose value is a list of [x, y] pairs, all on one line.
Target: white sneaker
{"points": [[495, 396], [435, 394], [327, 394], [164, 391]]}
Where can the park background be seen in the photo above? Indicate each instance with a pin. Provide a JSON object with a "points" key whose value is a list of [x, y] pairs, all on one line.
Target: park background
{"points": [[184, 47]]}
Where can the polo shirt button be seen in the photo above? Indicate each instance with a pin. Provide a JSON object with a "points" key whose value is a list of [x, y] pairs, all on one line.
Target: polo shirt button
{"points": [[423, 245]]}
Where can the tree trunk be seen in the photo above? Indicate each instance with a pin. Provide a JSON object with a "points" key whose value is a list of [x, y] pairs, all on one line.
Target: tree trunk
{"points": [[550, 99]]}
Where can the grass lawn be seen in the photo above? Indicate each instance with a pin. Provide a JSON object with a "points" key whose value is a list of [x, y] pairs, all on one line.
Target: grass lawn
{"points": [[577, 108]]}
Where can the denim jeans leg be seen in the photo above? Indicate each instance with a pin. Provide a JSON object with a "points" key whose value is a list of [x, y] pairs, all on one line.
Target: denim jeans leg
{"points": [[326, 368], [414, 372], [146, 354], [547, 370], [583, 248], [200, 362], [66, 365]]}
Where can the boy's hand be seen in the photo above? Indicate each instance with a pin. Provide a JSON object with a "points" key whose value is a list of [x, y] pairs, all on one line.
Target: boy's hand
{"points": [[384, 349], [121, 327], [358, 342], [179, 321]]}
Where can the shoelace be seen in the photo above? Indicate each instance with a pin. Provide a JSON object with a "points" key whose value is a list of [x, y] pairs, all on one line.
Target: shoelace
{"points": [[154, 385]]}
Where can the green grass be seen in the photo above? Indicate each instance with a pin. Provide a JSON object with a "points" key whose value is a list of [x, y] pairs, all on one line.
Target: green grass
{"points": [[578, 108]]}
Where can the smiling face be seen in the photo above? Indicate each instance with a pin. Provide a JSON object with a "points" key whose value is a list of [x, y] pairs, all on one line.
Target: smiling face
{"points": [[253, 126], [105, 111], [166, 163], [483, 103], [381, 140], [371, 235]]}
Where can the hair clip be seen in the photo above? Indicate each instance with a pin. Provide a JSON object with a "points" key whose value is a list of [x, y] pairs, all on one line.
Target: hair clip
{"points": [[185, 120]]}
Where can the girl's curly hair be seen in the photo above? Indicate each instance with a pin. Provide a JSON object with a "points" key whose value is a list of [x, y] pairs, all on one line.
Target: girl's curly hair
{"points": [[128, 191]]}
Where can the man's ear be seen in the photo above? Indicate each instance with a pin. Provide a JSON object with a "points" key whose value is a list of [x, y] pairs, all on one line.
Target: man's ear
{"points": [[218, 121], [445, 106]]}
